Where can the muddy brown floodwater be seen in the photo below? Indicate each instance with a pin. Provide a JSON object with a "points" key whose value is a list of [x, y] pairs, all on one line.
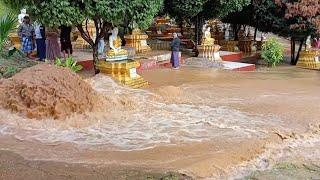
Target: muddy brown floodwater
{"points": [[204, 123]]}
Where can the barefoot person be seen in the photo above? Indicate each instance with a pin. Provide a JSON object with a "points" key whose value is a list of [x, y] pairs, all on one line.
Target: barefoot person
{"points": [[175, 47], [26, 33]]}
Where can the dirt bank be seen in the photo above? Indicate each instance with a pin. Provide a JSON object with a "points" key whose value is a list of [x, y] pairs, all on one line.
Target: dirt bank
{"points": [[46, 91]]}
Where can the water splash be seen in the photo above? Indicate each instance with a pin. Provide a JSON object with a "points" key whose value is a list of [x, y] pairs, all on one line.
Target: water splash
{"points": [[147, 123]]}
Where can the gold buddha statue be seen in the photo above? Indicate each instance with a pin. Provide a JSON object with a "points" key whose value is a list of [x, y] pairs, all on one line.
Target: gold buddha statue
{"points": [[115, 52], [208, 49], [207, 40]]}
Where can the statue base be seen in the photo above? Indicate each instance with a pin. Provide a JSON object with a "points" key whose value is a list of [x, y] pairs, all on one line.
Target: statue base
{"points": [[203, 63], [116, 58], [309, 59], [123, 71], [210, 52]]}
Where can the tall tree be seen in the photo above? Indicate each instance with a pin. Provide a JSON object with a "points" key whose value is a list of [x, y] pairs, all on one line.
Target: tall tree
{"points": [[239, 18], [289, 18], [303, 15], [201, 10], [104, 13]]}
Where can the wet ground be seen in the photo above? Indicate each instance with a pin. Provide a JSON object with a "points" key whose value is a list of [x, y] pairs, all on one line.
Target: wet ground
{"points": [[203, 123]]}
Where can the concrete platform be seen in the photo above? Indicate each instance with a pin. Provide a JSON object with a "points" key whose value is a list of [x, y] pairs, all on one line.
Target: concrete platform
{"points": [[148, 60], [231, 56], [226, 65], [236, 66], [161, 59], [155, 59]]}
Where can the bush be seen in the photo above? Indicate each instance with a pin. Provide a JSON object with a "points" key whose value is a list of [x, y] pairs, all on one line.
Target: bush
{"points": [[9, 66], [272, 52], [69, 63], [7, 24]]}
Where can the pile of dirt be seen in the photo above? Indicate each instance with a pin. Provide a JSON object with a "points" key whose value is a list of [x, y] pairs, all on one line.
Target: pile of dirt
{"points": [[46, 91]]}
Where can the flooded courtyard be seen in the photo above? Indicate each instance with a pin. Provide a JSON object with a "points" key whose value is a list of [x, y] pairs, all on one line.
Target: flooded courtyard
{"points": [[205, 123]]}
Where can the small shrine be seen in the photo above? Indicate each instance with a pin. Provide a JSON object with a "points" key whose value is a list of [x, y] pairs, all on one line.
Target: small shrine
{"points": [[160, 33], [137, 40], [310, 57], [208, 49], [118, 66]]}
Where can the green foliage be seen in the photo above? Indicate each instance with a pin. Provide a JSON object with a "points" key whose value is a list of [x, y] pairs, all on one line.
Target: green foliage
{"points": [[73, 12], [104, 13], [272, 52], [2, 8], [10, 71], [224, 7], [183, 9], [270, 18], [7, 24], [243, 17], [10, 65], [69, 63], [204, 9]]}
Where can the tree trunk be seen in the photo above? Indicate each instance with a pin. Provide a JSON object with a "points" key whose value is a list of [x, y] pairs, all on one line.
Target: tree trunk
{"points": [[293, 50], [300, 48], [181, 26], [196, 30], [235, 34], [236, 30], [101, 29], [95, 58], [255, 34]]}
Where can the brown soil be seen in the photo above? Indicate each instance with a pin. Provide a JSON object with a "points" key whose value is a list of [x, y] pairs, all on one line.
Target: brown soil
{"points": [[46, 91]]}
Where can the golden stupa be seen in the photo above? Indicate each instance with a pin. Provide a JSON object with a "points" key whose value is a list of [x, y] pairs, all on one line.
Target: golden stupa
{"points": [[137, 40]]}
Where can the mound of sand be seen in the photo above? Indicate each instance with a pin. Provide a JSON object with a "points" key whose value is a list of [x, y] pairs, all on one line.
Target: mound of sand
{"points": [[46, 91]]}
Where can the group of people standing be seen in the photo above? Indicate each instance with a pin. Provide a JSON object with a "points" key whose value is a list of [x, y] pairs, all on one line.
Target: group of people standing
{"points": [[46, 40]]}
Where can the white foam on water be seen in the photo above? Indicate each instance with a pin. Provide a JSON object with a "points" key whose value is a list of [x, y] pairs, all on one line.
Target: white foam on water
{"points": [[300, 149], [148, 124]]}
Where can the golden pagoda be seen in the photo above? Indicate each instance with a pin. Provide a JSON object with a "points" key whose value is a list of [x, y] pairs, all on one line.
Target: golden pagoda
{"points": [[309, 59], [123, 71], [80, 42], [138, 41]]}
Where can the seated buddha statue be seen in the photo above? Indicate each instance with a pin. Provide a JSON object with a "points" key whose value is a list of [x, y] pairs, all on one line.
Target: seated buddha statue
{"points": [[207, 40], [115, 52]]}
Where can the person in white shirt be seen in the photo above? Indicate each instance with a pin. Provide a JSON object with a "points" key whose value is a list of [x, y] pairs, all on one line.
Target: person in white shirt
{"points": [[40, 36]]}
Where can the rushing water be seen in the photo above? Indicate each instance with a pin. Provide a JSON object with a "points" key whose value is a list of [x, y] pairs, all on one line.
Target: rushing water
{"points": [[143, 119], [146, 123]]}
